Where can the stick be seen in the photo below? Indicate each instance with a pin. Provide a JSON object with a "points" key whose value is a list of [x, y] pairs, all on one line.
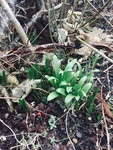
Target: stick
{"points": [[16, 24], [96, 50]]}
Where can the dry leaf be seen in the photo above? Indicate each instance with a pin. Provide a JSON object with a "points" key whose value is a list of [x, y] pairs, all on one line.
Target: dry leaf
{"points": [[106, 107], [62, 35], [98, 32], [11, 79], [84, 51], [5, 93], [23, 89]]}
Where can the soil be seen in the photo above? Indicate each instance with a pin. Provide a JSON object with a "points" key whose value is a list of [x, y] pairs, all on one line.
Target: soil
{"points": [[72, 130]]}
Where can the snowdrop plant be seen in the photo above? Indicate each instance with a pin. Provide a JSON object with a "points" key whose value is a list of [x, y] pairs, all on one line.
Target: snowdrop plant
{"points": [[69, 85]]}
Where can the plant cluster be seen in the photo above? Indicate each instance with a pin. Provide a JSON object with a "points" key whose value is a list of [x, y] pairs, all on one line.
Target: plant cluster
{"points": [[71, 84]]}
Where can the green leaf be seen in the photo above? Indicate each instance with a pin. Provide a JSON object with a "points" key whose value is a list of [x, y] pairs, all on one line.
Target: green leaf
{"points": [[87, 87], [68, 89], [70, 64], [90, 109], [52, 80], [4, 78], [68, 98], [90, 79], [24, 105], [77, 98], [63, 83], [95, 59], [90, 75], [76, 104], [80, 84], [52, 122], [33, 72], [80, 69], [81, 94], [47, 66], [67, 76], [76, 75], [61, 91], [56, 67], [52, 96]]}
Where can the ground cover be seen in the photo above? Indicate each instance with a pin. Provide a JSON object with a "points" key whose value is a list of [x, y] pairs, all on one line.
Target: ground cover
{"points": [[58, 96]]}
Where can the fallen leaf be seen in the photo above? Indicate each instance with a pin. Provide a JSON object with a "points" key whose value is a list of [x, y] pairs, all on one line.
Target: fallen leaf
{"points": [[11, 79], [23, 89], [84, 51], [106, 107]]}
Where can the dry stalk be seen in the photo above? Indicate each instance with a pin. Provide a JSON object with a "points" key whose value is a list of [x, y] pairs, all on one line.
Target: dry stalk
{"points": [[96, 14], [16, 24], [106, 128], [96, 50], [100, 13]]}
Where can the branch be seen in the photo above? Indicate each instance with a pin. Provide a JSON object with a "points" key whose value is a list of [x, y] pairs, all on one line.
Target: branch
{"points": [[16, 24], [96, 50], [96, 14]]}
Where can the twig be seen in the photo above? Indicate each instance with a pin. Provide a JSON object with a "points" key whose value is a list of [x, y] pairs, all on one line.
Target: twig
{"points": [[11, 131], [96, 50], [108, 68], [16, 24], [101, 44], [61, 16], [100, 13], [108, 136], [8, 100], [39, 13], [5, 22], [96, 14], [73, 147]]}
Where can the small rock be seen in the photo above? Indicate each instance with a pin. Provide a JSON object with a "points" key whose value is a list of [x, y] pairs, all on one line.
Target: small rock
{"points": [[2, 138], [6, 115], [78, 134], [30, 125], [80, 116], [89, 118], [19, 116], [75, 141]]}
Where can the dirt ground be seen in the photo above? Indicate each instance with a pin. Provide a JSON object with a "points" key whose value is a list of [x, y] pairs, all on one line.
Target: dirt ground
{"points": [[20, 130]]}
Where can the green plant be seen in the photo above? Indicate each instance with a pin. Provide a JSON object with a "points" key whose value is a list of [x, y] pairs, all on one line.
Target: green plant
{"points": [[33, 38], [33, 72], [90, 102], [24, 105], [95, 59], [52, 139], [52, 122], [37, 71], [3, 78], [70, 85], [47, 67]]}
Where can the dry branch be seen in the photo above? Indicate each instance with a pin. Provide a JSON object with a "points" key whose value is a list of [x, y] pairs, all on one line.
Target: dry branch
{"points": [[96, 50], [16, 24]]}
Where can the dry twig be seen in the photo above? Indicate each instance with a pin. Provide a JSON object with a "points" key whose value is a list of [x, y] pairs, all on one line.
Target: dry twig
{"points": [[16, 24], [96, 50], [96, 14]]}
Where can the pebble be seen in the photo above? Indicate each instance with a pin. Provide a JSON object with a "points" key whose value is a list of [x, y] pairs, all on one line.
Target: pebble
{"points": [[75, 140], [78, 134], [30, 125], [6, 115], [19, 117], [89, 118]]}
